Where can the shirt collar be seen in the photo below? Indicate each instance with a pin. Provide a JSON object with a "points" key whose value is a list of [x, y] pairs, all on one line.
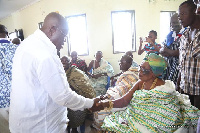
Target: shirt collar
{"points": [[47, 42]]}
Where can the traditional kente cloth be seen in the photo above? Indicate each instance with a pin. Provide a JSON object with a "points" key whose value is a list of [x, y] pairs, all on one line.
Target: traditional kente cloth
{"points": [[79, 82], [124, 83], [100, 83], [156, 62], [161, 109]]}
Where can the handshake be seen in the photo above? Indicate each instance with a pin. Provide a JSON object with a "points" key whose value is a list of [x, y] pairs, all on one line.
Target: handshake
{"points": [[100, 105]]}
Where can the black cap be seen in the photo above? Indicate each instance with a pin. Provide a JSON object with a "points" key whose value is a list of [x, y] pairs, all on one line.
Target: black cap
{"points": [[3, 29]]}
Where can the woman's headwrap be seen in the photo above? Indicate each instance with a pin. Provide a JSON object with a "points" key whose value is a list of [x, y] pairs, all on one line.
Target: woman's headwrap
{"points": [[156, 62]]}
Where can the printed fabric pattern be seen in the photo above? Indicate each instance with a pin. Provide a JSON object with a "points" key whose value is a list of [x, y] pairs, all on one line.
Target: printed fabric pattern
{"points": [[7, 51]]}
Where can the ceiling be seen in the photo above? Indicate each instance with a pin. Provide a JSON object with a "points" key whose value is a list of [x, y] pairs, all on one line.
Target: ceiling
{"points": [[7, 7]]}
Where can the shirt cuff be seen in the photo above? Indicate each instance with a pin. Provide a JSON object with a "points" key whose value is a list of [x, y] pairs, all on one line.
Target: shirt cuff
{"points": [[89, 102]]}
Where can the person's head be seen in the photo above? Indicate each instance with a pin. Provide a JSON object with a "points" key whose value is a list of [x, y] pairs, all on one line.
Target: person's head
{"points": [[125, 62], [186, 13], [152, 35], [16, 41], [66, 62], [55, 27], [153, 66], [74, 56], [197, 2], [98, 56], [174, 23], [129, 53], [3, 31]]}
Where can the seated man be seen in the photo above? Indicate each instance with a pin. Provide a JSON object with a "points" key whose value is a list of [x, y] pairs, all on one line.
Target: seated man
{"points": [[152, 105], [124, 83], [79, 82], [78, 62], [101, 69], [115, 77]]}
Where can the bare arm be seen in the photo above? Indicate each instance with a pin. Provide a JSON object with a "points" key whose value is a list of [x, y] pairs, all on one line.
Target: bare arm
{"points": [[125, 100], [140, 50], [90, 65], [168, 52]]}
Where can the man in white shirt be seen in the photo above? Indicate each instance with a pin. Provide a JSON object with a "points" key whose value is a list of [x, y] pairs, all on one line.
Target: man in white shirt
{"points": [[40, 91]]}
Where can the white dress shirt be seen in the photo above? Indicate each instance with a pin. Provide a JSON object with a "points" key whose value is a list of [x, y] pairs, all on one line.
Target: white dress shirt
{"points": [[40, 89]]}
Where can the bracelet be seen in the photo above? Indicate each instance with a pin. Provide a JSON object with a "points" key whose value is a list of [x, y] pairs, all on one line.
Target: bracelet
{"points": [[110, 105]]}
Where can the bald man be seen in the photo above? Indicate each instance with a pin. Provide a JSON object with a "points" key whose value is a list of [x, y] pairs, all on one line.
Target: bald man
{"points": [[40, 91]]}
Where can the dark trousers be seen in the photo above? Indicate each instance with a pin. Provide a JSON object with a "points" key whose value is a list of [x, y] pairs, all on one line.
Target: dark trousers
{"points": [[195, 100]]}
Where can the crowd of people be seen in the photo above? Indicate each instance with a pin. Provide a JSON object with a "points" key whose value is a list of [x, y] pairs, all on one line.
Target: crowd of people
{"points": [[40, 92]]}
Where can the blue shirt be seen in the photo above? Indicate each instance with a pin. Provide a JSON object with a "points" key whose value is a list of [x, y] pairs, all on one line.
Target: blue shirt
{"points": [[7, 51]]}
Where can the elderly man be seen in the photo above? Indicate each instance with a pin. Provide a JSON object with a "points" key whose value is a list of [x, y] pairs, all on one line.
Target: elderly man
{"points": [[78, 62], [124, 83], [40, 91], [189, 55], [7, 50], [79, 82], [101, 69]]}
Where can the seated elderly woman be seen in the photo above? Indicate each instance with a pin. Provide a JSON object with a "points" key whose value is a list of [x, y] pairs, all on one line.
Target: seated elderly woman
{"points": [[153, 104], [124, 83]]}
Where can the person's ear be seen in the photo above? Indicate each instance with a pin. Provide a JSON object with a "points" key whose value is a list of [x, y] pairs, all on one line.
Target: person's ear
{"points": [[52, 30]]}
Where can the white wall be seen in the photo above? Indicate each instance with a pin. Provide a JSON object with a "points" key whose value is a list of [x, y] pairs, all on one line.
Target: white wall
{"points": [[98, 13]]}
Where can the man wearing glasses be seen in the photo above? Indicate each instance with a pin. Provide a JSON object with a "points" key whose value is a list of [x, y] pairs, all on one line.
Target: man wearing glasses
{"points": [[40, 91]]}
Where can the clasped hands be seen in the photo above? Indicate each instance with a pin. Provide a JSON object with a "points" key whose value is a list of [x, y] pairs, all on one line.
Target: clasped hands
{"points": [[99, 104]]}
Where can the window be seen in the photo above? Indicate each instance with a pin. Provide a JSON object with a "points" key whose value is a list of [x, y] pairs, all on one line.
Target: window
{"points": [[123, 31], [165, 23], [77, 37]]}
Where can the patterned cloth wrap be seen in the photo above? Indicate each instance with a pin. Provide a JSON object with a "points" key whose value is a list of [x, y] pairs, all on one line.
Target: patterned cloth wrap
{"points": [[100, 83], [157, 63], [79, 82], [7, 51], [124, 83], [161, 109]]}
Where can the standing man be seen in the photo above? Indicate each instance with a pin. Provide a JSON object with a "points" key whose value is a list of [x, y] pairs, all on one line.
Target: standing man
{"points": [[171, 49], [190, 53], [7, 50], [40, 91]]}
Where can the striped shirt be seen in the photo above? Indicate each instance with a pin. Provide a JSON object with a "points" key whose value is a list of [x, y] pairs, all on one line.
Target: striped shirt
{"points": [[190, 63], [148, 48], [172, 61]]}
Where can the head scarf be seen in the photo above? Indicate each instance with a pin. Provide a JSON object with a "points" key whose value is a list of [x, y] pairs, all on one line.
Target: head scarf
{"points": [[157, 63]]}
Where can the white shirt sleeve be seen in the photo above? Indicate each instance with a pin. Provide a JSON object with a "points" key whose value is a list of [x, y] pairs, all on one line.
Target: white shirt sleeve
{"points": [[54, 81]]}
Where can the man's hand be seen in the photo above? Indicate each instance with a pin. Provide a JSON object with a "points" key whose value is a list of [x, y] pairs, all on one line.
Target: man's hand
{"points": [[96, 106]]}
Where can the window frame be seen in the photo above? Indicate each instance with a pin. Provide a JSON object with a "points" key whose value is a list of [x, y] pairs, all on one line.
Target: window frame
{"points": [[133, 28], [172, 13], [68, 36]]}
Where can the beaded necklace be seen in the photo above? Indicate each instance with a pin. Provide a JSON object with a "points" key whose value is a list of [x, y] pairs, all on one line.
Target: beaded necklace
{"points": [[152, 86]]}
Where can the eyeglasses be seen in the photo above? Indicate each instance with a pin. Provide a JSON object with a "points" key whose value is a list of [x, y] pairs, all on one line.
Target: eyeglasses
{"points": [[144, 71], [65, 35]]}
